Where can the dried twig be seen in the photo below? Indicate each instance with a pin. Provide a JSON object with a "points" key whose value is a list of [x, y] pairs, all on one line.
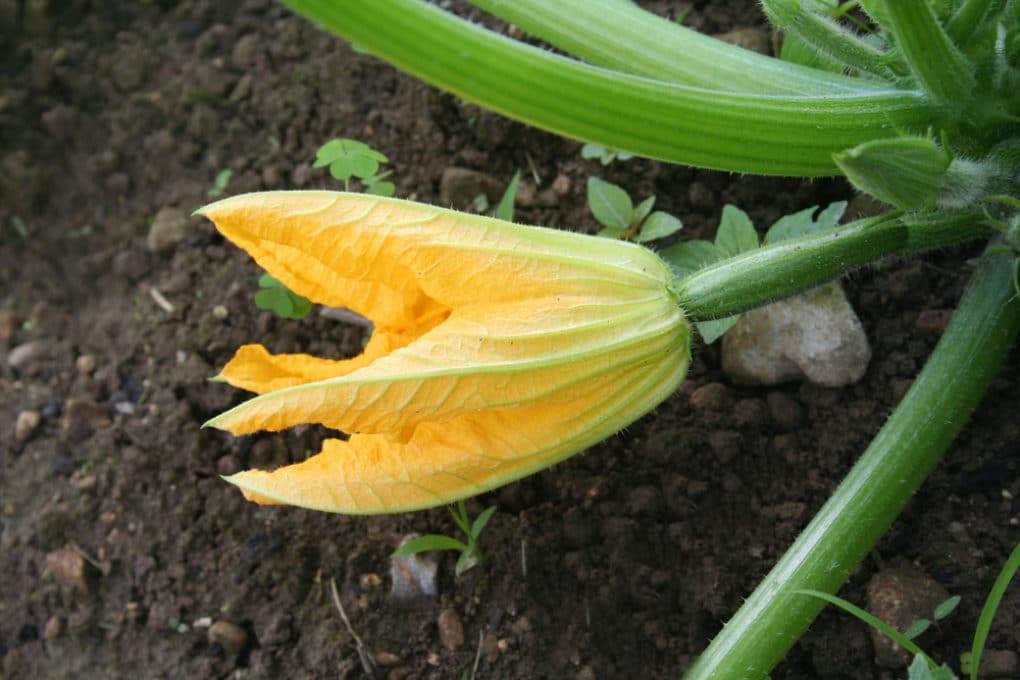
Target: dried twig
{"points": [[367, 662]]}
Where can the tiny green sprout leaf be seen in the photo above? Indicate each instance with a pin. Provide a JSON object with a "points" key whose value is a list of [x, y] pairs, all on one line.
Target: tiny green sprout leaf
{"points": [[592, 151], [603, 154], [466, 561], [482, 520], [688, 257], [480, 203], [380, 188], [505, 209], [428, 543], [610, 204], [921, 669], [658, 225], [276, 297], [803, 223], [353, 166], [946, 608], [642, 210], [736, 233], [219, 186], [348, 158], [906, 172], [611, 232], [713, 330], [917, 628]]}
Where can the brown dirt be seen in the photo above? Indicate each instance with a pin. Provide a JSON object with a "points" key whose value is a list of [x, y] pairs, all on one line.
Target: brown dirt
{"points": [[117, 537]]}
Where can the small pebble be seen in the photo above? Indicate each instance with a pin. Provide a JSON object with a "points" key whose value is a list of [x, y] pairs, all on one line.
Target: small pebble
{"points": [[385, 659], [230, 636], [86, 363], [26, 424], [451, 630], [220, 312], [370, 581], [169, 228], [26, 355], [561, 185], [54, 627], [899, 597], [67, 567], [710, 397]]}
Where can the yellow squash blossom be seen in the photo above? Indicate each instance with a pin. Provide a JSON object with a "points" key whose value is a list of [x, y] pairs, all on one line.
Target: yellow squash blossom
{"points": [[498, 349]]}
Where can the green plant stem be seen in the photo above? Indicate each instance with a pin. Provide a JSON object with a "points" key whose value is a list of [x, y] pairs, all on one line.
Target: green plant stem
{"points": [[938, 64], [966, 19], [757, 277], [624, 37], [911, 442], [735, 131]]}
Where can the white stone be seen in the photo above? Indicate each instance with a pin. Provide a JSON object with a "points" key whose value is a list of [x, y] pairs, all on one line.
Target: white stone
{"points": [[815, 336]]}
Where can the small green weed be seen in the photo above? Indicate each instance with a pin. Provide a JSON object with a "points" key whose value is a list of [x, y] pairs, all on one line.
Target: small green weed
{"points": [[923, 667], [603, 154], [470, 554], [220, 183], [349, 158], [616, 212], [735, 235], [276, 297]]}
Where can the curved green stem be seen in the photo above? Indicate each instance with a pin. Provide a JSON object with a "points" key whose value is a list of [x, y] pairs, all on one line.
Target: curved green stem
{"points": [[623, 37], [757, 277], [899, 459], [735, 131], [935, 61]]}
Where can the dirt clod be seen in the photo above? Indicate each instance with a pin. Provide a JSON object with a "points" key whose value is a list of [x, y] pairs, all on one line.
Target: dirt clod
{"points": [[451, 630]]}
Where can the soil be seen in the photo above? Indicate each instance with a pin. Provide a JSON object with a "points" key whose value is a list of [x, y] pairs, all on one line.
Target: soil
{"points": [[124, 554]]}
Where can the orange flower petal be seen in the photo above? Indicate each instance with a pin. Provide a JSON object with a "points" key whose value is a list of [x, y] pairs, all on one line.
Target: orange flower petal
{"points": [[404, 264], [482, 357], [472, 453], [256, 370]]}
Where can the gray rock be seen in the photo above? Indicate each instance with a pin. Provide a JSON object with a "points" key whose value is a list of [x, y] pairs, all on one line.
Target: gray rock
{"points": [[413, 576], [26, 356], [169, 228], [814, 336]]}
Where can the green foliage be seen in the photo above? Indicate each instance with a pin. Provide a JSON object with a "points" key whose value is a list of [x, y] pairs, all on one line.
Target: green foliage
{"points": [[348, 159], [923, 667], [603, 154], [470, 553], [735, 235], [276, 297], [615, 211], [505, 209], [220, 183]]}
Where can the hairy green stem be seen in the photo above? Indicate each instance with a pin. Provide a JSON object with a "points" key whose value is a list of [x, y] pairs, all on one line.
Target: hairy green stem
{"points": [[735, 131], [624, 37], [757, 277], [889, 472], [936, 62]]}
